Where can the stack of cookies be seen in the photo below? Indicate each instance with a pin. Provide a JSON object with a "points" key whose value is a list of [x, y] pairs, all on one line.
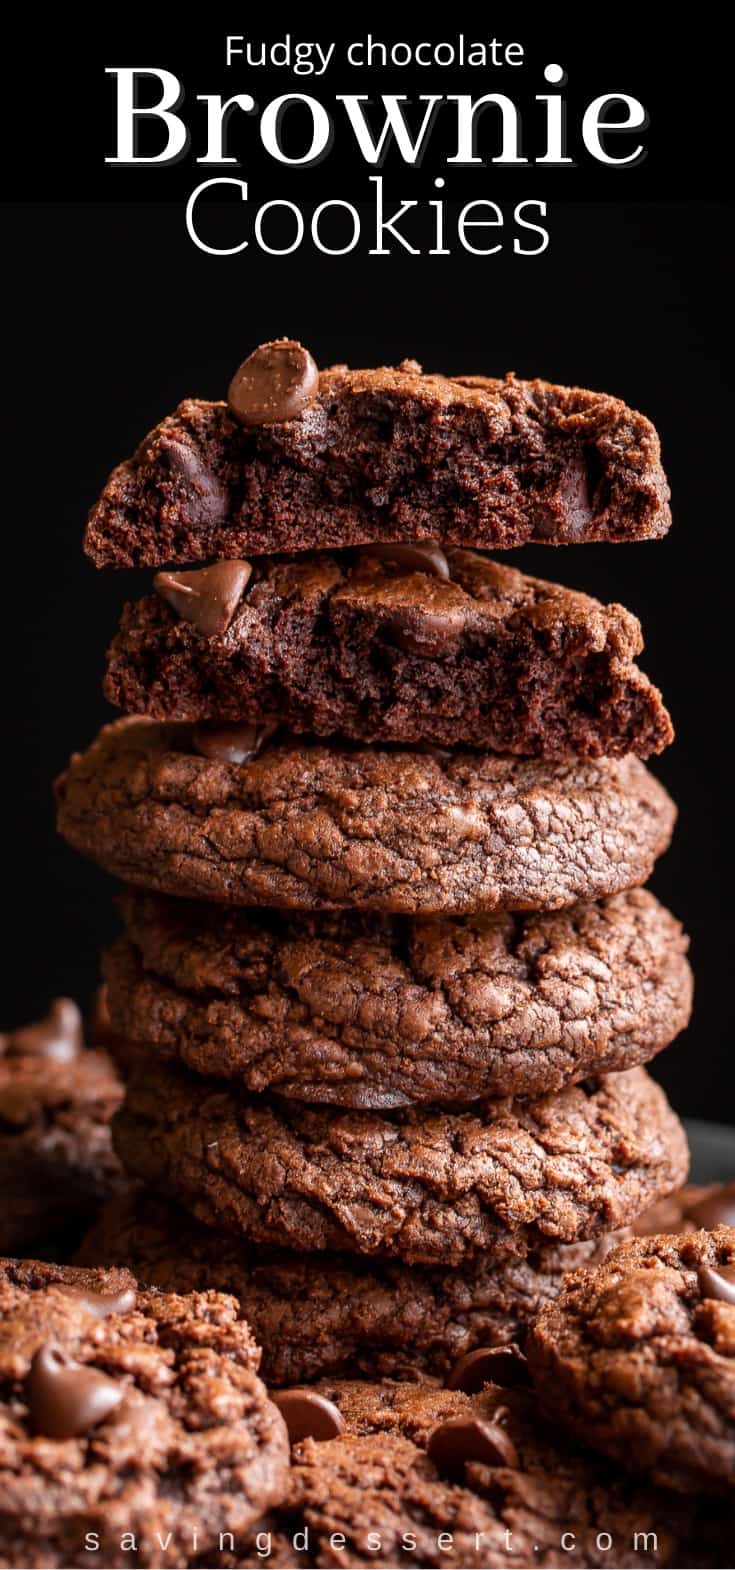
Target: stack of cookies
{"points": [[389, 976]]}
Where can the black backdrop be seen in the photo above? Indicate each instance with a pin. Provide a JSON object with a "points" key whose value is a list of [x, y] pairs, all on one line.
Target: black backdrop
{"points": [[113, 316]]}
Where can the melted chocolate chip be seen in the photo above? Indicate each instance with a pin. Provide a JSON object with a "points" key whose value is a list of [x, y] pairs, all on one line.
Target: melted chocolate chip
{"points": [[308, 1415], [207, 598], [427, 634], [232, 743], [206, 498], [494, 1365], [101, 1303], [66, 1398], [714, 1210], [59, 1036], [276, 382], [570, 508], [422, 556], [464, 1439], [717, 1282]]}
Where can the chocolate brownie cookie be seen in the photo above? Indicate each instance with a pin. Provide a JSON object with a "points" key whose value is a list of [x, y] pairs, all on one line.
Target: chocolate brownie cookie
{"points": [[127, 1412], [419, 1474], [374, 1011], [384, 455], [310, 826], [637, 1357], [57, 1164], [336, 1314], [427, 1185], [438, 646], [696, 1206]]}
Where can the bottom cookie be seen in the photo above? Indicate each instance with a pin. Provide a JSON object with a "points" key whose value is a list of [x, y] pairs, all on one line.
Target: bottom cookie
{"points": [[333, 1313], [414, 1474]]}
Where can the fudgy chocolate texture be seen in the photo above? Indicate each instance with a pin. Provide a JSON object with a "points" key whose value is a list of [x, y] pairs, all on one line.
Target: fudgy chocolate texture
{"points": [[637, 1357], [310, 826], [490, 658], [335, 1313], [189, 1440], [428, 1186], [386, 455], [57, 1164], [541, 1501], [377, 1011]]}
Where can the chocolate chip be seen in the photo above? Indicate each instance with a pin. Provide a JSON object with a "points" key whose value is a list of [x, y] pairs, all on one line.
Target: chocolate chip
{"points": [[577, 498], [232, 743], [422, 556], [717, 1283], [714, 1210], [308, 1415], [428, 634], [206, 498], [569, 509], [276, 382], [411, 367], [101, 1303], [67, 1398], [494, 1365], [209, 597], [59, 1036], [464, 1439]]}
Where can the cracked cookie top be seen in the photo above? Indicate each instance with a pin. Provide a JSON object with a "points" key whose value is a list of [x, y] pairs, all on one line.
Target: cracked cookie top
{"points": [[310, 826], [427, 1185], [377, 1011]]}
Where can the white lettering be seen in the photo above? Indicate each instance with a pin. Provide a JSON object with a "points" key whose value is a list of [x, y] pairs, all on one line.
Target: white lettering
{"points": [[207, 185], [129, 115], [272, 120], [335, 250], [468, 111], [387, 224], [595, 126], [464, 222], [410, 148], [532, 250], [218, 113]]}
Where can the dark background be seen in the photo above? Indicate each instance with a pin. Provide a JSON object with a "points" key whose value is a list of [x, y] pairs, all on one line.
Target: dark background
{"points": [[113, 316]]}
